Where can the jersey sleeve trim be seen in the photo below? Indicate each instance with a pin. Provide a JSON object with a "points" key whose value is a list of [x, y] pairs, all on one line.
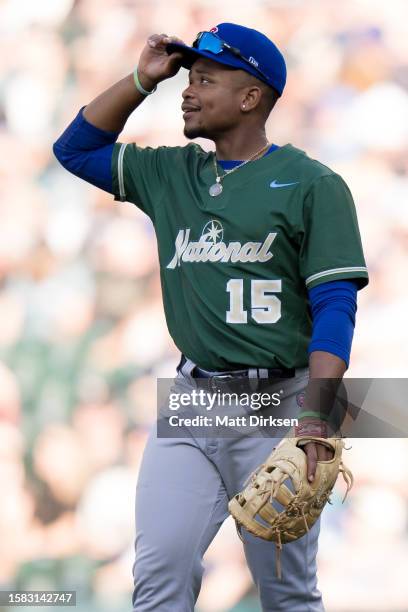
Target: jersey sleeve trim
{"points": [[121, 181], [358, 270]]}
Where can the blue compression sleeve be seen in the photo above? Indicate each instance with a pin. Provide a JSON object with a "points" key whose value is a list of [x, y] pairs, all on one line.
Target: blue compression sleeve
{"points": [[333, 306], [86, 151]]}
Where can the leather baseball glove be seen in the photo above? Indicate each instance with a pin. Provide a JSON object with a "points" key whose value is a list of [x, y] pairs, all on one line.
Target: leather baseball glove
{"points": [[258, 507]]}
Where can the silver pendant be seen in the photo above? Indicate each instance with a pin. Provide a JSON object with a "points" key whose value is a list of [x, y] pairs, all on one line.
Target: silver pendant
{"points": [[215, 190]]}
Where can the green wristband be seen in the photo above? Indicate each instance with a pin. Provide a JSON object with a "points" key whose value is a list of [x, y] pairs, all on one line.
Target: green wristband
{"points": [[139, 86], [312, 413]]}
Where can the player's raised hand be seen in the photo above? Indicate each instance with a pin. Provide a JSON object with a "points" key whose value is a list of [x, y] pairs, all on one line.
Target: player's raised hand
{"points": [[155, 64]]}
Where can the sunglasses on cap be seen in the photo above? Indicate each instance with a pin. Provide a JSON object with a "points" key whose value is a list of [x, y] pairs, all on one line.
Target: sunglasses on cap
{"points": [[208, 41]]}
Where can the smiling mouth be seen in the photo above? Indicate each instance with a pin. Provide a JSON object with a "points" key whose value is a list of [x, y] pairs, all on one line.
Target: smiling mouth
{"points": [[188, 112]]}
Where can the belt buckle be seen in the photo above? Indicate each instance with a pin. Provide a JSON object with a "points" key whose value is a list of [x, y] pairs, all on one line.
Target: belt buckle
{"points": [[221, 378]]}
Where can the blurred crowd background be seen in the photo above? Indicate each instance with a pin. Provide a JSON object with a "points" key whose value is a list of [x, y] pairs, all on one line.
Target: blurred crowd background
{"points": [[82, 332]]}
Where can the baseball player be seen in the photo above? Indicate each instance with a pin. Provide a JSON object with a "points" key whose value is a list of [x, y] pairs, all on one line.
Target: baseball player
{"points": [[260, 263]]}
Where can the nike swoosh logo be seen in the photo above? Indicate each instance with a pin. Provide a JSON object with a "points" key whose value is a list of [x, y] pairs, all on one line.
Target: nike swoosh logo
{"points": [[274, 184]]}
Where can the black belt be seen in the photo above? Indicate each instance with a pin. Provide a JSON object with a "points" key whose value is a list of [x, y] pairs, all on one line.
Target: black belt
{"points": [[239, 375]]}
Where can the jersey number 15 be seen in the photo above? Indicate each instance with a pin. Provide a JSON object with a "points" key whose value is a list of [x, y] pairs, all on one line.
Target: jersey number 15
{"points": [[265, 308]]}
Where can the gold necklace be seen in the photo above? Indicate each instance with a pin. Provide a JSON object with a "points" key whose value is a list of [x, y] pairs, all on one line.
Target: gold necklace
{"points": [[216, 188]]}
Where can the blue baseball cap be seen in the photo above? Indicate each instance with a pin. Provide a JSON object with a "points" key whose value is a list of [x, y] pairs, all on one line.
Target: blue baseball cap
{"points": [[239, 47]]}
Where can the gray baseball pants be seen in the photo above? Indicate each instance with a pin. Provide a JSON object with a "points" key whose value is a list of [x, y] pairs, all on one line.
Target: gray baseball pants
{"points": [[181, 501]]}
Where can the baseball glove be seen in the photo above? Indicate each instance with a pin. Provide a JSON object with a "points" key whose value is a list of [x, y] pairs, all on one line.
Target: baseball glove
{"points": [[255, 508]]}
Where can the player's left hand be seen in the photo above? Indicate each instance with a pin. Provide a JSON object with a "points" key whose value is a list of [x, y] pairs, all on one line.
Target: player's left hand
{"points": [[315, 452]]}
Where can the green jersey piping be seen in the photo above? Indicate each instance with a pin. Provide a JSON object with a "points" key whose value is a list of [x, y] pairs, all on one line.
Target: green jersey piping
{"points": [[121, 181], [314, 277]]}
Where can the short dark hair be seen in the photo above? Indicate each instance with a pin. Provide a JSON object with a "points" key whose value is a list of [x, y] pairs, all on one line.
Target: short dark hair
{"points": [[269, 94], [271, 97]]}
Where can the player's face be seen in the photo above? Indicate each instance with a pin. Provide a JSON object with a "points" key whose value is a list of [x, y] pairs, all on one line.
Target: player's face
{"points": [[212, 100]]}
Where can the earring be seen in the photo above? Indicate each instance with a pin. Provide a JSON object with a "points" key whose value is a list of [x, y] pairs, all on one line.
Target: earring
{"points": [[243, 106]]}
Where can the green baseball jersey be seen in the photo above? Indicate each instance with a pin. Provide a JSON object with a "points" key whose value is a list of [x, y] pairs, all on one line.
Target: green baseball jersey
{"points": [[235, 268]]}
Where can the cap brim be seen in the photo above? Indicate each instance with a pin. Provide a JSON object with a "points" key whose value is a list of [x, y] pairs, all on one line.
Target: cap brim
{"points": [[190, 55]]}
